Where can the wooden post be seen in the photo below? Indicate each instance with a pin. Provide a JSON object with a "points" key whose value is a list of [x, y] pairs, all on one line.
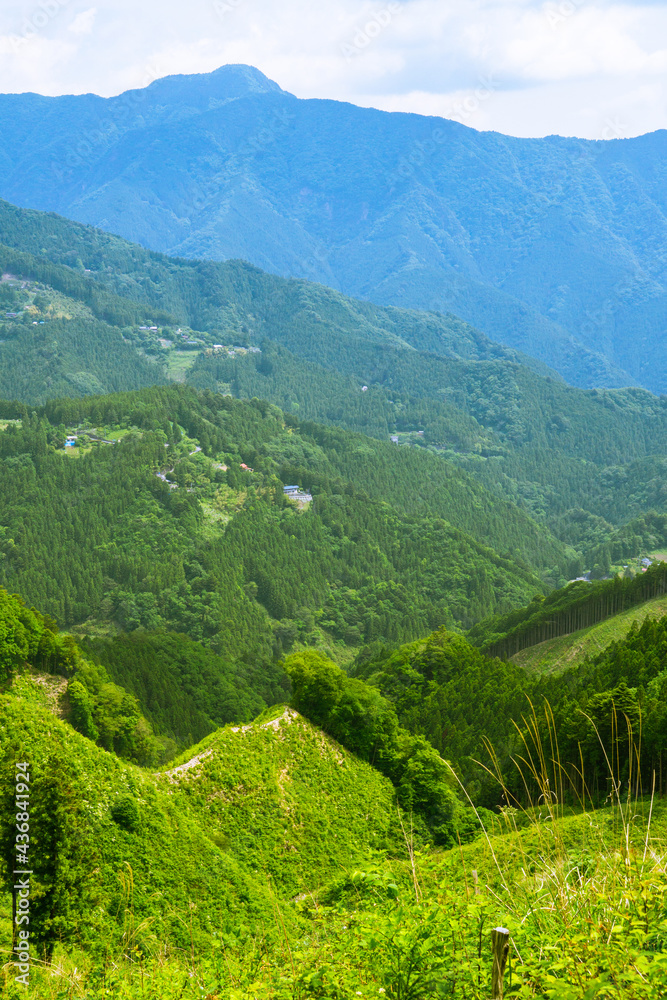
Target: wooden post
{"points": [[500, 941]]}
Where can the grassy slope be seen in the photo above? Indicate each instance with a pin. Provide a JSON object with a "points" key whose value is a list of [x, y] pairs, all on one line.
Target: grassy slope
{"points": [[319, 809], [293, 806], [556, 655], [169, 853], [278, 799]]}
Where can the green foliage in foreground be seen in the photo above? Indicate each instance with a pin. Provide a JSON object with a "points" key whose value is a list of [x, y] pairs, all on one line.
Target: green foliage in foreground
{"points": [[268, 862], [121, 857], [363, 721], [288, 802], [466, 703], [448, 691], [152, 867], [583, 897]]}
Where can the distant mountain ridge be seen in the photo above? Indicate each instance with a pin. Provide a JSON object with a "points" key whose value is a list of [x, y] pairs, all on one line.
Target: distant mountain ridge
{"points": [[551, 246]]}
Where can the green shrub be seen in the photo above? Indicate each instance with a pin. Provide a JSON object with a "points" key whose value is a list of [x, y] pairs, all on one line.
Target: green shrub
{"points": [[125, 812]]}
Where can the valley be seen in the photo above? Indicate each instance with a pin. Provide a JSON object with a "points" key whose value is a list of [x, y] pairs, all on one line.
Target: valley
{"points": [[583, 464], [333, 552]]}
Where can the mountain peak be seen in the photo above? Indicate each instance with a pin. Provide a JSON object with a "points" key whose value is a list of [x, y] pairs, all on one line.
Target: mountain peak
{"points": [[225, 83]]}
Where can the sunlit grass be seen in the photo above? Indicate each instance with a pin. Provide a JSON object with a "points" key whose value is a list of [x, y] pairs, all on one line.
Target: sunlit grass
{"points": [[582, 891], [179, 363]]}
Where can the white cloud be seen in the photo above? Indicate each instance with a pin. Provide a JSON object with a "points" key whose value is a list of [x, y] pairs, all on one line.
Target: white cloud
{"points": [[596, 111], [593, 41], [554, 72], [83, 23]]}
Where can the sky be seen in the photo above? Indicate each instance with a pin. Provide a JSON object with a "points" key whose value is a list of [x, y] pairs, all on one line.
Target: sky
{"points": [[590, 68]]}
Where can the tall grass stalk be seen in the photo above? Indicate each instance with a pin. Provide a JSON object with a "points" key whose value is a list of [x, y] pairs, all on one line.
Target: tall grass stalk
{"points": [[593, 889]]}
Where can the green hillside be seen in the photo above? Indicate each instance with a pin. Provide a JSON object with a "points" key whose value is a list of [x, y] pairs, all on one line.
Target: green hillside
{"points": [[387, 549], [556, 655], [122, 820], [465, 702], [185, 689], [86, 312], [579, 605], [269, 862], [273, 800], [287, 799], [134, 853]]}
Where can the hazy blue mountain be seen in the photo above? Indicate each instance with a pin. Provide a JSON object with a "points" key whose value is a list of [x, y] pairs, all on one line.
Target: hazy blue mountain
{"points": [[552, 246]]}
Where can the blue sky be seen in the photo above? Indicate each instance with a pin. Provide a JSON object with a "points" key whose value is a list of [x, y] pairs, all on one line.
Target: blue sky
{"points": [[593, 68]]}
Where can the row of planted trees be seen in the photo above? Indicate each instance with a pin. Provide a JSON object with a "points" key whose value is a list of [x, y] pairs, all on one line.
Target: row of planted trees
{"points": [[577, 606]]}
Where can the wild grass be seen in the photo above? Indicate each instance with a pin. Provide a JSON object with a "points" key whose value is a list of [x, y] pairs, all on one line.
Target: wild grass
{"points": [[582, 890]]}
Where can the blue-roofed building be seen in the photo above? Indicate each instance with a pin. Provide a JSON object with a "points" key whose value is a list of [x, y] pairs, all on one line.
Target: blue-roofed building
{"points": [[295, 493]]}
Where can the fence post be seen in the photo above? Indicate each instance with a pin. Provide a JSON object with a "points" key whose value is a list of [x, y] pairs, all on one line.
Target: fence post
{"points": [[500, 941]]}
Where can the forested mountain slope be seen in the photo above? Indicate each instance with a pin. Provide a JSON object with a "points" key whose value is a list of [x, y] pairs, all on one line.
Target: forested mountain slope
{"points": [[556, 655], [105, 272], [548, 245], [183, 523], [583, 463], [485, 713], [577, 606]]}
